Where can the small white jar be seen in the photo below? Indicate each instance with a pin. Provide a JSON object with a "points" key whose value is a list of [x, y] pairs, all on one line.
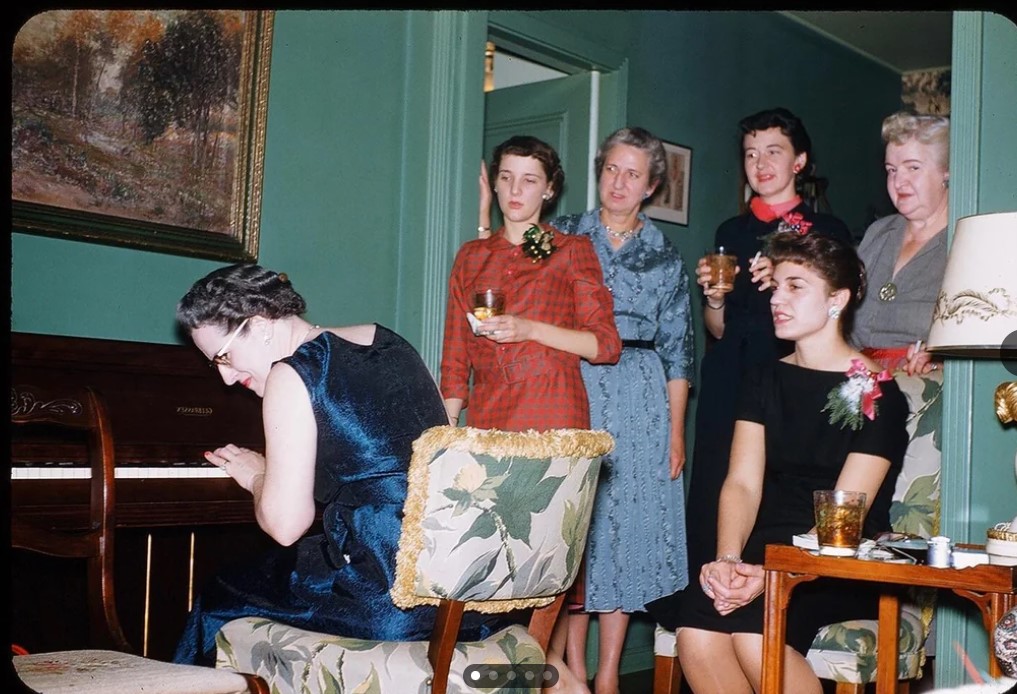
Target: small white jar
{"points": [[940, 552]]}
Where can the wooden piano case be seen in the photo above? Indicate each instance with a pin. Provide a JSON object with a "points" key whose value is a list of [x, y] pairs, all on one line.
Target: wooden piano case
{"points": [[166, 408]]}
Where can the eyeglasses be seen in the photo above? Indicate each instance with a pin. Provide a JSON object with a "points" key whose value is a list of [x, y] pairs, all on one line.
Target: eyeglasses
{"points": [[222, 357]]}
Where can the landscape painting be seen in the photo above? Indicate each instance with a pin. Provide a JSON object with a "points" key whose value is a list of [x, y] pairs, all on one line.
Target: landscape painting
{"points": [[142, 128]]}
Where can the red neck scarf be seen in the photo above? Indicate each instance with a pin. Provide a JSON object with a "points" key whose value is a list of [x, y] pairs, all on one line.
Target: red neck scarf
{"points": [[768, 213]]}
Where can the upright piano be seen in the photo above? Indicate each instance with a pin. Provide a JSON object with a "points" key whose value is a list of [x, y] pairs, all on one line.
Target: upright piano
{"points": [[179, 518]]}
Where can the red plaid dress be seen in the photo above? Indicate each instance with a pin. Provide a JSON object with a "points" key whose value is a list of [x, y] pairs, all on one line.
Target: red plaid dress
{"points": [[526, 385]]}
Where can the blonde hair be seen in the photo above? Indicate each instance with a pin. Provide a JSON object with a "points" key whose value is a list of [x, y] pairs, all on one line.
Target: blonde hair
{"points": [[929, 130]]}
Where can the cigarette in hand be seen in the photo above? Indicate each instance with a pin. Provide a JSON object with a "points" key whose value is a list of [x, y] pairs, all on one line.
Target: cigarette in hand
{"points": [[918, 346], [755, 259]]}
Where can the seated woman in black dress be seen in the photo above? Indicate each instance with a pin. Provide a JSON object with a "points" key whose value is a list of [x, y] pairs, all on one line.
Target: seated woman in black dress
{"points": [[803, 424], [341, 409]]}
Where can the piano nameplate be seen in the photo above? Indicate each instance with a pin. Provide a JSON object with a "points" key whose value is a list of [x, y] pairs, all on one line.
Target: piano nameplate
{"points": [[195, 411]]}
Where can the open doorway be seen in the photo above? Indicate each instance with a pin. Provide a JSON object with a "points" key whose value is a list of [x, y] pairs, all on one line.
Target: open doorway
{"points": [[526, 97]]}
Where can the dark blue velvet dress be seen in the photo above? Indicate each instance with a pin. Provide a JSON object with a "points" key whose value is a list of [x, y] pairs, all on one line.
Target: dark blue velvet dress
{"points": [[370, 403]]}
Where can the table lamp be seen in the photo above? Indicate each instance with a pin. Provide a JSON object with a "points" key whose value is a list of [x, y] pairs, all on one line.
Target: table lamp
{"points": [[976, 310]]}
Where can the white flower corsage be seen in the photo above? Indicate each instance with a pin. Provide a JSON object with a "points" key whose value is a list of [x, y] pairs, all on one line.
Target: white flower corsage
{"points": [[856, 397]]}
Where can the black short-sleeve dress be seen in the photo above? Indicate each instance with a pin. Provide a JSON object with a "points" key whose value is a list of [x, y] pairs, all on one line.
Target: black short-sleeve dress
{"points": [[804, 452]]}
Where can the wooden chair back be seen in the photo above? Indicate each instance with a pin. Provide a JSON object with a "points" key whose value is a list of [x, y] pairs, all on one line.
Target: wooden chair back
{"points": [[83, 411]]}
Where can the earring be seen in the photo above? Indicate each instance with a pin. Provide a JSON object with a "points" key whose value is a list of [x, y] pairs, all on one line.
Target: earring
{"points": [[834, 312], [796, 168], [545, 196]]}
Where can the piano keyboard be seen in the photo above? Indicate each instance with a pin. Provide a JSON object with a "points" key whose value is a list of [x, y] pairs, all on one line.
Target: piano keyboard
{"points": [[68, 472]]}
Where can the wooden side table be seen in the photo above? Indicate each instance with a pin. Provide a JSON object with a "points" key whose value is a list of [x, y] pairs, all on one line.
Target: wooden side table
{"points": [[993, 589]]}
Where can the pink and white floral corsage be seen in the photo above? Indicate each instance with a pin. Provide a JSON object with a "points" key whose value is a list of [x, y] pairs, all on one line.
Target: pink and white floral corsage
{"points": [[856, 397], [796, 222]]}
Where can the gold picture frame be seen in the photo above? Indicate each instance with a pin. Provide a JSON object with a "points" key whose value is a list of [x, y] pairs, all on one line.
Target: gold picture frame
{"points": [[124, 133]]}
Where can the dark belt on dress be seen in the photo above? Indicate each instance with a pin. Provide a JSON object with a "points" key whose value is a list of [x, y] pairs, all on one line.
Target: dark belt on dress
{"points": [[638, 344]]}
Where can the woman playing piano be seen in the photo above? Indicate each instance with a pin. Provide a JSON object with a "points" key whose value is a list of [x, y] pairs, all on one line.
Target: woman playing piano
{"points": [[341, 408]]}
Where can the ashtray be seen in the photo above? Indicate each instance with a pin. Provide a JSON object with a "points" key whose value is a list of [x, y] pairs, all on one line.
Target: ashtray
{"points": [[915, 548]]}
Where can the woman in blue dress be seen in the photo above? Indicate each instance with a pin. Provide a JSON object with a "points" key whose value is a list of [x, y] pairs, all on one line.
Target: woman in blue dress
{"points": [[636, 546], [341, 409]]}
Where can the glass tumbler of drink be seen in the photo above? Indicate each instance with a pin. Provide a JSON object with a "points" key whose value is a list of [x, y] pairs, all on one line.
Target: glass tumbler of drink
{"points": [[839, 518], [722, 269], [488, 302]]}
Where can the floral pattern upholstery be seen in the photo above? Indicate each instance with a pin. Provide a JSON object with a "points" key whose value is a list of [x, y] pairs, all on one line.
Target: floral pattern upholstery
{"points": [[846, 652], [497, 520], [296, 661], [1005, 637]]}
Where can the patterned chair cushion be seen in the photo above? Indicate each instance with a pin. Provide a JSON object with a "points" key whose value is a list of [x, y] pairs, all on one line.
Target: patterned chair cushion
{"points": [[846, 651], [113, 672], [1005, 636], [296, 661]]}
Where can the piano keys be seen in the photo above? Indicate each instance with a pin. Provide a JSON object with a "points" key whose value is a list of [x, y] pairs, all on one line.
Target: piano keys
{"points": [[60, 471]]}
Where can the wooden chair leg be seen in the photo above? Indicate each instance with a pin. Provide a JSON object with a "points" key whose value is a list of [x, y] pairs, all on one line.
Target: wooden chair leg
{"points": [[256, 685], [850, 688], [667, 675], [904, 687], [542, 621], [443, 642]]}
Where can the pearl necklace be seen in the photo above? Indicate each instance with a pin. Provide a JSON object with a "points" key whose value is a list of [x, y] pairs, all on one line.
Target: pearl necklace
{"points": [[622, 235]]}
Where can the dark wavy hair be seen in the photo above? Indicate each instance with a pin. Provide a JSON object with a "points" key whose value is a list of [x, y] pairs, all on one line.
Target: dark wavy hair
{"points": [[789, 124], [227, 296], [641, 139], [529, 146], [836, 262]]}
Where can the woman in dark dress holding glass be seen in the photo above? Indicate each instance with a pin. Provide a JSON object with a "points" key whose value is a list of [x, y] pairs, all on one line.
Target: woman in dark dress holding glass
{"points": [[776, 153]]}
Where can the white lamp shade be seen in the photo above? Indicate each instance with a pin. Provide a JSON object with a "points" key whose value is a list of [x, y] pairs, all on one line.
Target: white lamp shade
{"points": [[977, 305]]}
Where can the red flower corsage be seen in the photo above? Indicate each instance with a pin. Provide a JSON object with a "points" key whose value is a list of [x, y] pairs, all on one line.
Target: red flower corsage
{"points": [[856, 397], [796, 222]]}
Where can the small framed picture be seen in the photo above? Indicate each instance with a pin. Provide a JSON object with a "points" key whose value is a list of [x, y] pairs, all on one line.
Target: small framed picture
{"points": [[671, 201]]}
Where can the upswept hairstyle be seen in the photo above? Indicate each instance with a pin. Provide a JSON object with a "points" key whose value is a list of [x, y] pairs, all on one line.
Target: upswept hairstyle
{"points": [[789, 124], [641, 139], [900, 127], [230, 294], [836, 262], [529, 146]]}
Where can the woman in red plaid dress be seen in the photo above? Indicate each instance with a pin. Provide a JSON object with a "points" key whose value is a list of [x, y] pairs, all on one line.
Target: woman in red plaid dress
{"points": [[525, 363]]}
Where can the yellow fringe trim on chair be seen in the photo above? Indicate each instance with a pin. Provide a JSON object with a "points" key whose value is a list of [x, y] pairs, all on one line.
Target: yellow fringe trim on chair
{"points": [[557, 443]]}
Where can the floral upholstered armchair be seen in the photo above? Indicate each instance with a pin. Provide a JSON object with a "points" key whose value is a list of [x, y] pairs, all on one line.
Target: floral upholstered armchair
{"points": [[846, 652], [494, 522]]}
